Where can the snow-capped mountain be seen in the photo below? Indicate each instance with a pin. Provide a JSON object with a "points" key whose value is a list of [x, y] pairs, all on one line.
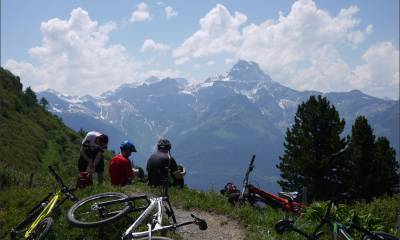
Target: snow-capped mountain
{"points": [[215, 126]]}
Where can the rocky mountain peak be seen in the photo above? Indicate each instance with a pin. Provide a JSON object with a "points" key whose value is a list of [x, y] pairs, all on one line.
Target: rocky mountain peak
{"points": [[247, 71]]}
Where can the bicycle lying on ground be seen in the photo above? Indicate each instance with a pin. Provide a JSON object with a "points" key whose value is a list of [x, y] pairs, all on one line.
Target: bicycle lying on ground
{"points": [[38, 222], [108, 207], [259, 198], [339, 231]]}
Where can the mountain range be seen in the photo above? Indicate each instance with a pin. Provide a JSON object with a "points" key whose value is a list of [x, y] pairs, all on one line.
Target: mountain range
{"points": [[214, 126]]}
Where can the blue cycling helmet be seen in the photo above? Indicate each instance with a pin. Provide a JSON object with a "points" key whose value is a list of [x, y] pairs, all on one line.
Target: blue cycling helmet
{"points": [[127, 145]]}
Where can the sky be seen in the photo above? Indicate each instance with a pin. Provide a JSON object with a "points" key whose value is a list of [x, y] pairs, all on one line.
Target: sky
{"points": [[90, 47]]}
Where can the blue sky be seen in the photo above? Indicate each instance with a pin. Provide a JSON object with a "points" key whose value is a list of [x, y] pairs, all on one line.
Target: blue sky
{"points": [[89, 47]]}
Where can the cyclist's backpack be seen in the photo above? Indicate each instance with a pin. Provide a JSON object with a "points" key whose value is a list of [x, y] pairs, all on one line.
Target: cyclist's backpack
{"points": [[84, 180], [229, 188]]}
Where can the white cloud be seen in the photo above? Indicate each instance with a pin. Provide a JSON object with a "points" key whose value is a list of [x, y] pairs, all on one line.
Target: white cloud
{"points": [[218, 33], [170, 12], [75, 57], [210, 63], [150, 45], [302, 49], [229, 61], [141, 14], [379, 76]]}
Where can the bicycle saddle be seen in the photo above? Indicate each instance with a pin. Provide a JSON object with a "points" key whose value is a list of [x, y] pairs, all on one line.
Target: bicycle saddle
{"points": [[291, 196]]}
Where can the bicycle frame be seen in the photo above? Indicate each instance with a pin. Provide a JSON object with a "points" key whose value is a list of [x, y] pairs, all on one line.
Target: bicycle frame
{"points": [[339, 231], [249, 189], [45, 212], [49, 203], [156, 225]]}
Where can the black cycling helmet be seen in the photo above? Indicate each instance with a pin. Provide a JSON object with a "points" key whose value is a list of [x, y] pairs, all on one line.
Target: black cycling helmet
{"points": [[164, 144], [127, 145]]}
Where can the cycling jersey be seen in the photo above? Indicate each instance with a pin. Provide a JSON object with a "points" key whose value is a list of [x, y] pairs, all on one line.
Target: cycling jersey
{"points": [[156, 167], [120, 170]]}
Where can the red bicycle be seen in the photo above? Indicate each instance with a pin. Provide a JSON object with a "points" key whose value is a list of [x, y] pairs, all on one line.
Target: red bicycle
{"points": [[260, 198]]}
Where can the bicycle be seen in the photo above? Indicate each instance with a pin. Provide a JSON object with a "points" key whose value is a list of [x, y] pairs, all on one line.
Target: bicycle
{"points": [[339, 231], [259, 198], [39, 222], [108, 207]]}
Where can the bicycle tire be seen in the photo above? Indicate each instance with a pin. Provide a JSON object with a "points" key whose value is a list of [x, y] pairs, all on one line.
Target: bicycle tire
{"points": [[41, 231], [73, 212], [261, 203], [384, 235]]}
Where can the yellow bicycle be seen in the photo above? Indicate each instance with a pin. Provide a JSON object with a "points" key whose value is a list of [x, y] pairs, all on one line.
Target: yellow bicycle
{"points": [[38, 222]]}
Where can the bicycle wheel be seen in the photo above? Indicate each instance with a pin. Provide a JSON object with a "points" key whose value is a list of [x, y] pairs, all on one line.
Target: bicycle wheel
{"points": [[42, 229], [87, 212], [259, 202], [383, 235]]}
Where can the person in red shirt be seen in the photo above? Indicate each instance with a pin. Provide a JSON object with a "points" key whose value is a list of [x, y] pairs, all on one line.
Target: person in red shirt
{"points": [[120, 167]]}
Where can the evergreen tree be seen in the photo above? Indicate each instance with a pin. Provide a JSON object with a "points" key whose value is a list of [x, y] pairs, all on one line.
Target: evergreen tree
{"points": [[386, 171], [372, 163], [361, 154], [44, 103], [30, 97], [310, 145]]}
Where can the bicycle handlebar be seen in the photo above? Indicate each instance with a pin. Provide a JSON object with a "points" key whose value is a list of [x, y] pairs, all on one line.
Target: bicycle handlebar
{"points": [[64, 187]]}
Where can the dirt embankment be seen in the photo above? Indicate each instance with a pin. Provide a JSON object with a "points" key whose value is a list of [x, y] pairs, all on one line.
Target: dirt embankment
{"points": [[219, 226]]}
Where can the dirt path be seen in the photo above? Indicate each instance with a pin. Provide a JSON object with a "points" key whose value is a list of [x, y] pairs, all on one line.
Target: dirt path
{"points": [[219, 226]]}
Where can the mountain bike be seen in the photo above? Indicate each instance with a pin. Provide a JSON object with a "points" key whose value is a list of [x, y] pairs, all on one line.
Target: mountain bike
{"points": [[260, 198], [104, 208], [39, 221], [339, 231]]}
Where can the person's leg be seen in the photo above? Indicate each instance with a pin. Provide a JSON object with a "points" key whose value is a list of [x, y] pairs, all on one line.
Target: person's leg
{"points": [[100, 177], [100, 170]]}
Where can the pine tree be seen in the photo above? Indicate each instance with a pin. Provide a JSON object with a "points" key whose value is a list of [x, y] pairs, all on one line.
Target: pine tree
{"points": [[373, 164], [309, 146], [386, 174], [44, 103]]}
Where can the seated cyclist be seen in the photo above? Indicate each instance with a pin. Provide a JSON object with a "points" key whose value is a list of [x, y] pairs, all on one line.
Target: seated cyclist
{"points": [[121, 168], [159, 162]]}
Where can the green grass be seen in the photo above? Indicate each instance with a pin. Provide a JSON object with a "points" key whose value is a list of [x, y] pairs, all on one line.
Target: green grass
{"points": [[258, 224]]}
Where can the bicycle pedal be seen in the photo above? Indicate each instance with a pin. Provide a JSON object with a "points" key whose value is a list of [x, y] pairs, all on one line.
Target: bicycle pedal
{"points": [[200, 222]]}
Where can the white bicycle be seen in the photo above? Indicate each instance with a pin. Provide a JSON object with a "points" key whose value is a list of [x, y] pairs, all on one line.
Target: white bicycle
{"points": [[104, 208]]}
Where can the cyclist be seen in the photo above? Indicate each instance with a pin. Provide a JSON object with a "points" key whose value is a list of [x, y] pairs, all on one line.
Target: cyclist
{"points": [[159, 161], [91, 154], [120, 168]]}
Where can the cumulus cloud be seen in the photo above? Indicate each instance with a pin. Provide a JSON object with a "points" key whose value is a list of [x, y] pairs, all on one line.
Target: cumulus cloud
{"points": [[301, 50], [151, 45], [379, 75], [170, 12], [75, 57], [219, 32], [141, 13]]}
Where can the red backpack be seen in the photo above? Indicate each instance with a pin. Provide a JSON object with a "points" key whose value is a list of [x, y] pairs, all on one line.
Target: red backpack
{"points": [[84, 180]]}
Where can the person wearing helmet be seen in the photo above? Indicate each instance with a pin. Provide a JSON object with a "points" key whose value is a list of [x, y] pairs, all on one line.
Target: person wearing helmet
{"points": [[120, 168], [159, 162], [91, 154]]}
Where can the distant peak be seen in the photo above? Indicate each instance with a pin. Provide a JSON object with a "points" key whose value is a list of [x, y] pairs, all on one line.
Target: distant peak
{"points": [[152, 79], [248, 71]]}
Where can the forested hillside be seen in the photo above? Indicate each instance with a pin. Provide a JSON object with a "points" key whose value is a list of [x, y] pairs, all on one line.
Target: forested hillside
{"points": [[31, 138]]}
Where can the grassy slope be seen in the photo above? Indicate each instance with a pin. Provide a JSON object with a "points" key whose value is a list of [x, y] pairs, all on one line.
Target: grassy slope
{"points": [[258, 224]]}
